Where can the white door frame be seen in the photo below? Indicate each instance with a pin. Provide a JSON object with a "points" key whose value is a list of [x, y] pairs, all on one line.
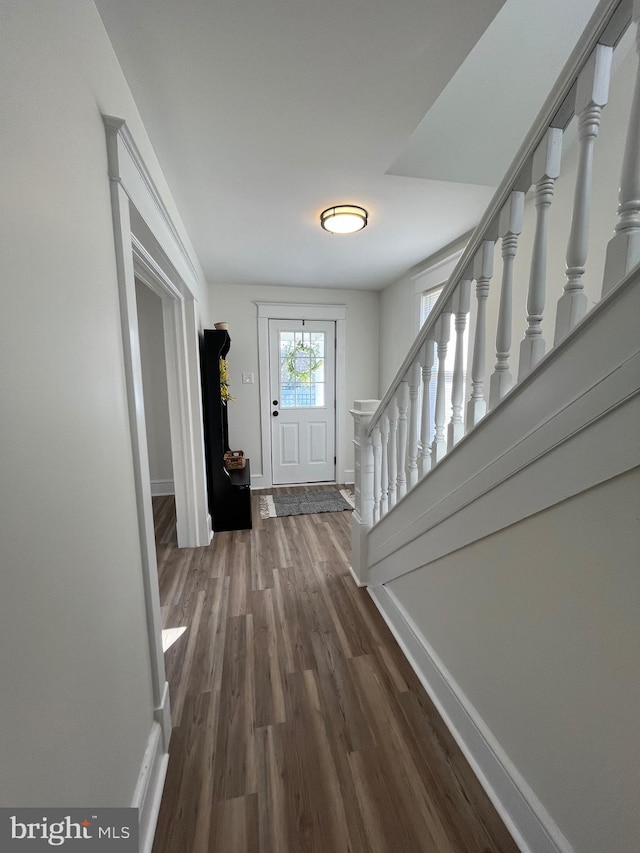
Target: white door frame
{"points": [[148, 246], [175, 312], [289, 311]]}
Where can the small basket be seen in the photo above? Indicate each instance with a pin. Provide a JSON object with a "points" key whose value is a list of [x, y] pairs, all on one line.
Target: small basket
{"points": [[234, 459]]}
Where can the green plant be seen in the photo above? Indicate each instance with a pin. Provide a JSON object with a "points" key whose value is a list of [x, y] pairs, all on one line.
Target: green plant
{"points": [[225, 395], [302, 361]]}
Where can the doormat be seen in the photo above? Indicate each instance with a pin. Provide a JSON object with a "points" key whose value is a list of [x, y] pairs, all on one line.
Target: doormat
{"points": [[305, 503]]}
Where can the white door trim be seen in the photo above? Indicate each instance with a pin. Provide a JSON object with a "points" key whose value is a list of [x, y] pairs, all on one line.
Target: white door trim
{"points": [[147, 244], [175, 322], [289, 311]]}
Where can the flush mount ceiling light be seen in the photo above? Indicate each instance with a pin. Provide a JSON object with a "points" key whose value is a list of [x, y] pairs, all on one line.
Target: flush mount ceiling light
{"points": [[344, 219]]}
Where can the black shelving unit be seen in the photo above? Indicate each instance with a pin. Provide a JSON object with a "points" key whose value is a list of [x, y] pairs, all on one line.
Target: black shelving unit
{"points": [[229, 491]]}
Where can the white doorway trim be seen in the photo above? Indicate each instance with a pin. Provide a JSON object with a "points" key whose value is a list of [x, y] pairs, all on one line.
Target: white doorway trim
{"points": [[176, 344], [288, 311], [148, 245]]}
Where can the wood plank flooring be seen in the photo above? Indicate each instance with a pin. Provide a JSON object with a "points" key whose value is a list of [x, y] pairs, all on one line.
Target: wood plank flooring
{"points": [[299, 727]]}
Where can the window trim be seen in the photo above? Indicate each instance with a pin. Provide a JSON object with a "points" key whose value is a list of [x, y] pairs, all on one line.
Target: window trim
{"points": [[431, 276]]}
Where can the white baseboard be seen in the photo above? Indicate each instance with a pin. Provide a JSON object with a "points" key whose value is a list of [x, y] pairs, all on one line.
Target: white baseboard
{"points": [[356, 579], [531, 826], [162, 715], [162, 487], [148, 793], [349, 477], [259, 481]]}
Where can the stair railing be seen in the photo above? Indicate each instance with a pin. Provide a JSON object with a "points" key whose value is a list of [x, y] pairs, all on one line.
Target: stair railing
{"points": [[393, 452]]}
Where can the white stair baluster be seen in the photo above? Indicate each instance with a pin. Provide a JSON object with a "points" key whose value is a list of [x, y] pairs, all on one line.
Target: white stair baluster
{"points": [[545, 171], [414, 424], [461, 304], [482, 272], [623, 251], [591, 96], [376, 441], [428, 358], [384, 470], [392, 413], [510, 226], [443, 333], [403, 407]]}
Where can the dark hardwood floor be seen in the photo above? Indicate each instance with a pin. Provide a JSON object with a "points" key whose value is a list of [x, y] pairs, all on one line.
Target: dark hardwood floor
{"points": [[299, 727]]}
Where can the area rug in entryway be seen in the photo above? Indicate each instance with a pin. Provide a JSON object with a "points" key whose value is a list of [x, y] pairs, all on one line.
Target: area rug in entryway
{"points": [[305, 503]]}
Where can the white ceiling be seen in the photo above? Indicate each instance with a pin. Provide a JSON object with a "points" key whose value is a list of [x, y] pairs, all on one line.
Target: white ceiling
{"points": [[496, 93], [264, 112]]}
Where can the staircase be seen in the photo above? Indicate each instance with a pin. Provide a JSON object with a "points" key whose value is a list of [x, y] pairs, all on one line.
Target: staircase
{"points": [[498, 533]]}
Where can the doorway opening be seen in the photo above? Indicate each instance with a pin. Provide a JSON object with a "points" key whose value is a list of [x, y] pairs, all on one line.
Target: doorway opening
{"points": [[305, 435], [303, 401]]}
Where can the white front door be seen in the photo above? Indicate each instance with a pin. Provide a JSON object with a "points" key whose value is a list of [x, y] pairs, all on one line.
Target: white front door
{"points": [[302, 381]]}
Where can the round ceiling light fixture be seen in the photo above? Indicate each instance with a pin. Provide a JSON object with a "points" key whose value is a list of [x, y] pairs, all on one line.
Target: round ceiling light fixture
{"points": [[344, 219]]}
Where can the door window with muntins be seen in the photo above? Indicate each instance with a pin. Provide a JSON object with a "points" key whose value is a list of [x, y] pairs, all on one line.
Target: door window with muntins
{"points": [[302, 370]]}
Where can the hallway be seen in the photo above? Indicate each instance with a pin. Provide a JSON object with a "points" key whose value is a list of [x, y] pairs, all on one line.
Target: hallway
{"points": [[298, 724]]}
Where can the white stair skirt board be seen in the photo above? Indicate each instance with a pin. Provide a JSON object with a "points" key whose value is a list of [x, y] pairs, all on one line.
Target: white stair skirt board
{"points": [[531, 826], [521, 459], [162, 487], [148, 793]]}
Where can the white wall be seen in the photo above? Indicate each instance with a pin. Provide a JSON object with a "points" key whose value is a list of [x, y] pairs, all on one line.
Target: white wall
{"points": [[76, 705], [398, 327], [154, 381], [236, 304], [400, 307], [538, 625]]}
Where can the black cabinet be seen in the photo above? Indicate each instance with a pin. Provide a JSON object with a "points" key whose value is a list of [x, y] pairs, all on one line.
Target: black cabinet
{"points": [[229, 491]]}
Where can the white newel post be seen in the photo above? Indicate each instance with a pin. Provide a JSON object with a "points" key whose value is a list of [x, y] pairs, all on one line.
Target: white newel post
{"points": [[591, 96], [545, 171], [461, 304], [384, 494], [392, 452], [428, 358], [362, 517], [403, 408], [509, 227], [623, 251], [414, 423], [482, 272], [443, 333]]}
